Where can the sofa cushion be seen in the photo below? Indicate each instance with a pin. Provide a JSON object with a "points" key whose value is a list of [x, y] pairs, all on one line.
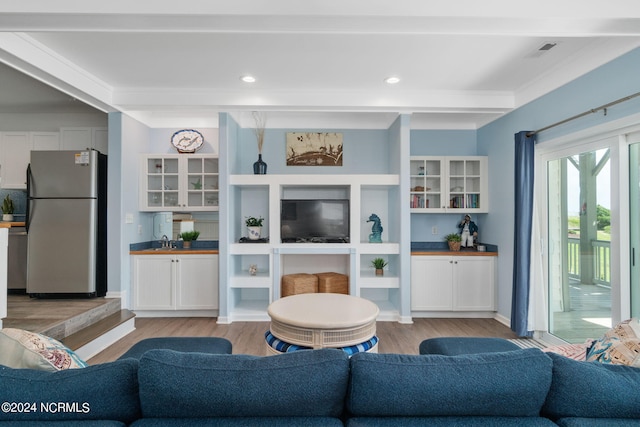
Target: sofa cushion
{"points": [[24, 349], [597, 422], [240, 422], [449, 421], [303, 383], [509, 384], [101, 392], [90, 423], [212, 345], [589, 389], [453, 346]]}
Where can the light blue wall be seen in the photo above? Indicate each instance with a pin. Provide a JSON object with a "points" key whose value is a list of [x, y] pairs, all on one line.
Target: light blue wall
{"points": [[363, 151], [607, 83], [128, 138]]}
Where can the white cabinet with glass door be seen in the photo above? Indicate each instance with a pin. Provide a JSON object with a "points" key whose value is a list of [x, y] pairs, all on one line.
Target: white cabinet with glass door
{"points": [[179, 183], [449, 184]]}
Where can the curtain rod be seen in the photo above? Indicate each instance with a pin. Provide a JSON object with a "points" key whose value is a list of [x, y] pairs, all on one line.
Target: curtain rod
{"points": [[593, 110]]}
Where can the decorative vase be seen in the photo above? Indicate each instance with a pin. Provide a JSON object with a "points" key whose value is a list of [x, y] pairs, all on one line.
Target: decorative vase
{"points": [[186, 244], [379, 272], [7, 217], [253, 269], [454, 246], [254, 232], [260, 167]]}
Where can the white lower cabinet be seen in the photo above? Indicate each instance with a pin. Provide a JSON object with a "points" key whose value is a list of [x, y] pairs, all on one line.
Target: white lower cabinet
{"points": [[453, 283], [175, 282]]}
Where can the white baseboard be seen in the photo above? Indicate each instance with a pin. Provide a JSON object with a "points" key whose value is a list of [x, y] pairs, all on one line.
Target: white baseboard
{"points": [[504, 320], [223, 320], [176, 313], [94, 347]]}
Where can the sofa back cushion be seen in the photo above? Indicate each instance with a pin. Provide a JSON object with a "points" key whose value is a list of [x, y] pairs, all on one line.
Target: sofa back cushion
{"points": [[196, 385], [510, 384], [101, 392], [592, 390]]}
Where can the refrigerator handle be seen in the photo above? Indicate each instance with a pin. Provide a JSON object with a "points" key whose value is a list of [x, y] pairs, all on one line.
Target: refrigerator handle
{"points": [[27, 218]]}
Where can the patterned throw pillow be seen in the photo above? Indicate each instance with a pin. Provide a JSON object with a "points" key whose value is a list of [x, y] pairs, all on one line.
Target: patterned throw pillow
{"points": [[24, 349], [572, 351], [619, 346]]}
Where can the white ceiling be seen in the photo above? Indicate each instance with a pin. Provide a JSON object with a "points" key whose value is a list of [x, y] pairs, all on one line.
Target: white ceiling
{"points": [[462, 64]]}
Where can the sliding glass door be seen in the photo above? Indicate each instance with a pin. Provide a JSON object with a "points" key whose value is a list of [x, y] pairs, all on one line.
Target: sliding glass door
{"points": [[634, 226], [579, 242]]}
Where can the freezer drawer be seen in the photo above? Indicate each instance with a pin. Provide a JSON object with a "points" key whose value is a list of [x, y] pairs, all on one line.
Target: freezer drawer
{"points": [[62, 245], [17, 260]]}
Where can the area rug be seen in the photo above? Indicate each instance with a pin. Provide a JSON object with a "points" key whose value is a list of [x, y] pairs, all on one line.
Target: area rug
{"points": [[527, 343]]}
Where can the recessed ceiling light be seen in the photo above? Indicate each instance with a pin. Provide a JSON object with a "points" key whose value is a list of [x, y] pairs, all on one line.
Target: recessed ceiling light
{"points": [[248, 79], [392, 80]]}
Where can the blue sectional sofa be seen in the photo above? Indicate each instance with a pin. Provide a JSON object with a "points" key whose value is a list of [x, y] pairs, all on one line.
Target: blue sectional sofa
{"points": [[522, 388]]}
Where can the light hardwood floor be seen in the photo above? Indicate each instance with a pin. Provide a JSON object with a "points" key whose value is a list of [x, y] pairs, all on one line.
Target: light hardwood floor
{"points": [[248, 337]]}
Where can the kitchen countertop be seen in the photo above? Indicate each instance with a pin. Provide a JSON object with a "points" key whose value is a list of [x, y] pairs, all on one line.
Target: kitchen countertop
{"points": [[8, 224], [441, 248], [198, 247], [461, 252], [160, 251]]}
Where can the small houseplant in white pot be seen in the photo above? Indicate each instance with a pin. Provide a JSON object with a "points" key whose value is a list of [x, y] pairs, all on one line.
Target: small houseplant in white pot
{"points": [[379, 264], [187, 237], [7, 209], [254, 227]]}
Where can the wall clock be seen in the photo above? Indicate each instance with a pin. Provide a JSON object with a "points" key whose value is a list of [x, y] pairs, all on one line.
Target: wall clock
{"points": [[187, 140]]}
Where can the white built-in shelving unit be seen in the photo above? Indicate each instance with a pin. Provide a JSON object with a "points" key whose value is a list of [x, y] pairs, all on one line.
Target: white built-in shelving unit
{"points": [[260, 195]]}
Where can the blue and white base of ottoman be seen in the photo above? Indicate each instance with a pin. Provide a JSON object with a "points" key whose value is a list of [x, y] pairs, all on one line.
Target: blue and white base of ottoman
{"points": [[277, 346]]}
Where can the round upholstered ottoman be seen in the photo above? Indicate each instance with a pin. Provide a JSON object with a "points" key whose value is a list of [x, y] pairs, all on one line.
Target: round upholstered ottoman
{"points": [[276, 346]]}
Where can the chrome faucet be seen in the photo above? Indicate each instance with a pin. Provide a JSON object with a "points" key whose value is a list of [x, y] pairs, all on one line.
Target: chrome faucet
{"points": [[164, 241]]}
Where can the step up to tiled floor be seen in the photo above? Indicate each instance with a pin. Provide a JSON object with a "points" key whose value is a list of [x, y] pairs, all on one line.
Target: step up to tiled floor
{"points": [[57, 318], [87, 326], [94, 331], [83, 320]]}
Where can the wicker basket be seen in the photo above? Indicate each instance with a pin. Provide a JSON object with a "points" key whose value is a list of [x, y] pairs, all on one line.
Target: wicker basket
{"points": [[335, 283], [301, 283]]}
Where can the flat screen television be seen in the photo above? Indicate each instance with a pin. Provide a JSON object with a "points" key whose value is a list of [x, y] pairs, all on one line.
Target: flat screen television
{"points": [[315, 221]]}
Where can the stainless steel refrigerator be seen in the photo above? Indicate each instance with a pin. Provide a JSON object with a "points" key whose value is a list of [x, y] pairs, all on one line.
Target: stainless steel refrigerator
{"points": [[66, 224]]}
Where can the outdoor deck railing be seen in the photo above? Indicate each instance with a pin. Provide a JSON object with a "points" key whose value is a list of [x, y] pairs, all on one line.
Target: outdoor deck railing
{"points": [[601, 260]]}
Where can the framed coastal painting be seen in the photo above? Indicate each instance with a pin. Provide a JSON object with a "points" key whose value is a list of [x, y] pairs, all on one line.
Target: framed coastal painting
{"points": [[314, 149]]}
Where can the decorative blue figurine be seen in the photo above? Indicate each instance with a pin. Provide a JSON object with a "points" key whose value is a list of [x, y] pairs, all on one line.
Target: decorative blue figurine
{"points": [[376, 229]]}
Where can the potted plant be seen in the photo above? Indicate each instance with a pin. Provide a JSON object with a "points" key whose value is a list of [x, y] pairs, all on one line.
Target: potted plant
{"points": [[454, 240], [379, 264], [7, 209], [187, 237], [254, 227]]}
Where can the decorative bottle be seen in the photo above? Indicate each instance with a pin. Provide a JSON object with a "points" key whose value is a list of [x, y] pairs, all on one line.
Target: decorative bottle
{"points": [[260, 167]]}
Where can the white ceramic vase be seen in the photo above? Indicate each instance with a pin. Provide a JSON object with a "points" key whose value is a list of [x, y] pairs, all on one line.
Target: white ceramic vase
{"points": [[254, 232]]}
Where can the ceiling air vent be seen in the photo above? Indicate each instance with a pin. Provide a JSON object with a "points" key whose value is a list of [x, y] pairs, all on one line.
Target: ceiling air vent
{"points": [[546, 47]]}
